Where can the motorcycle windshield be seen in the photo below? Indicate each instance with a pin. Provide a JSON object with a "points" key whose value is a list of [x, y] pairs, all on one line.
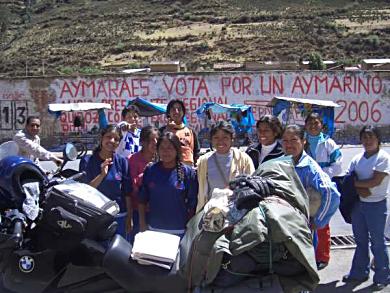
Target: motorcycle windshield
{"points": [[89, 194], [9, 148]]}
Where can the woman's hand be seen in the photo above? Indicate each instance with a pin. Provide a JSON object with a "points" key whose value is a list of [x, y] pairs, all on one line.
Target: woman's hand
{"points": [[103, 173], [143, 227], [124, 126], [129, 224], [363, 192], [142, 217], [57, 161], [133, 126], [104, 167], [171, 124]]}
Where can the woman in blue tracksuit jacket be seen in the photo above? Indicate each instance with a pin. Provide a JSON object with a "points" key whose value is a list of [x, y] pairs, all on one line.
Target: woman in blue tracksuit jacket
{"points": [[327, 154], [311, 175]]}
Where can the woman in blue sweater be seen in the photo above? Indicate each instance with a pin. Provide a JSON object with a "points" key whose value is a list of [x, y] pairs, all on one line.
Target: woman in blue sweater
{"points": [[108, 172], [170, 189]]}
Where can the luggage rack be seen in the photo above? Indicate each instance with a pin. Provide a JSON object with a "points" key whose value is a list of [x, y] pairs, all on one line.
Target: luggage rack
{"points": [[345, 242]]}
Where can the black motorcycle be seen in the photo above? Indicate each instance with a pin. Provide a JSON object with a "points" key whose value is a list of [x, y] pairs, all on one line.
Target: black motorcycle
{"points": [[63, 239]]}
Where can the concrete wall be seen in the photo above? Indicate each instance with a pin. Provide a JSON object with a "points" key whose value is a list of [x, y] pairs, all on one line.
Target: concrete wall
{"points": [[364, 97]]}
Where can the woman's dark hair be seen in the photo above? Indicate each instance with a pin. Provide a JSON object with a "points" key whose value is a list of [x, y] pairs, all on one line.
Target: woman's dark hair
{"points": [[313, 115], [298, 130], [273, 123], [175, 141], [173, 102], [146, 132], [224, 126], [130, 108], [372, 130], [107, 129]]}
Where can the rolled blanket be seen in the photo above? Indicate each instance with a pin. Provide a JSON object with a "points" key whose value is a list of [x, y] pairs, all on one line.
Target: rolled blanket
{"points": [[216, 210]]}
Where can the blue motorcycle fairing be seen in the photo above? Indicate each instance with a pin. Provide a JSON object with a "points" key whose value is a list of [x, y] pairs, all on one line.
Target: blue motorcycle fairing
{"points": [[14, 171]]}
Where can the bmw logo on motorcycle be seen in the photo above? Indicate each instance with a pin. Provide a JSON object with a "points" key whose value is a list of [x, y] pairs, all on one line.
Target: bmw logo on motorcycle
{"points": [[26, 264]]}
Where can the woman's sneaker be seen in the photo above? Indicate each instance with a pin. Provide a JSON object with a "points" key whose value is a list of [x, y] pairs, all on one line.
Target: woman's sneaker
{"points": [[321, 265], [378, 286]]}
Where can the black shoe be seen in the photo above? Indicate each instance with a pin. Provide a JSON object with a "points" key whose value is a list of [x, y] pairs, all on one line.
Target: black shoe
{"points": [[348, 279], [378, 286], [321, 265]]}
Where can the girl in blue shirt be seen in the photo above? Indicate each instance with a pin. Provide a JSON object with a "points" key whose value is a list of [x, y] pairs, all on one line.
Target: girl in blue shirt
{"points": [[170, 189], [108, 172]]}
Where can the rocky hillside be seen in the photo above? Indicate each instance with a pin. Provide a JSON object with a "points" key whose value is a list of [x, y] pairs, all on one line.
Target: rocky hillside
{"points": [[90, 36]]}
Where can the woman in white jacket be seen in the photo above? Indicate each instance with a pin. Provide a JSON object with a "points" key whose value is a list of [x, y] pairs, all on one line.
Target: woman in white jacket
{"points": [[218, 167]]}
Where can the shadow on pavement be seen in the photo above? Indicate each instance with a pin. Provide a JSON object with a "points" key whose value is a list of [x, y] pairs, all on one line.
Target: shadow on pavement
{"points": [[333, 287]]}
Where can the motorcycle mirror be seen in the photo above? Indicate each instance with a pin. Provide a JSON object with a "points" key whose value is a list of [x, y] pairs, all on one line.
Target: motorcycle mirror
{"points": [[70, 152]]}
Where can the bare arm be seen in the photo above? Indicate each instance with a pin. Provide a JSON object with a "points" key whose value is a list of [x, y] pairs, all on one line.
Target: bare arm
{"points": [[372, 182], [129, 206], [97, 180], [104, 170], [142, 217]]}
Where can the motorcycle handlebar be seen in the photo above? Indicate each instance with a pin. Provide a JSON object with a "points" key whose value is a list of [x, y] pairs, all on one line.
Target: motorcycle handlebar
{"points": [[77, 176], [57, 181], [15, 239]]}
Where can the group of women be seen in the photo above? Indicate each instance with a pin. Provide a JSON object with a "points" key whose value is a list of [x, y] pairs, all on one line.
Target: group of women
{"points": [[164, 184]]}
